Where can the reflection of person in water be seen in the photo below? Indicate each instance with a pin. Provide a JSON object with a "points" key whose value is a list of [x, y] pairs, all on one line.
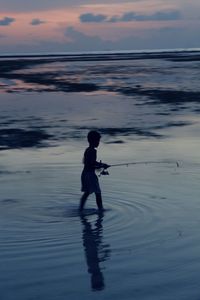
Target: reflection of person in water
{"points": [[95, 251]]}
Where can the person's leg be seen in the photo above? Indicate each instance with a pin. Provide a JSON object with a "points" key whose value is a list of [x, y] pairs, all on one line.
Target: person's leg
{"points": [[83, 200], [99, 201]]}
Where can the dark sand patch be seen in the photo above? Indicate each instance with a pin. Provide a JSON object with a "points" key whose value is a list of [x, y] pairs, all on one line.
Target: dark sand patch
{"points": [[158, 96], [2, 172], [9, 201], [172, 124], [11, 122], [13, 138], [126, 131], [9, 66], [115, 142], [69, 81], [112, 132], [50, 80]]}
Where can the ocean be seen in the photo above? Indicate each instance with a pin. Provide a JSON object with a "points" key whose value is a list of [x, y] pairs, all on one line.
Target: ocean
{"points": [[146, 243]]}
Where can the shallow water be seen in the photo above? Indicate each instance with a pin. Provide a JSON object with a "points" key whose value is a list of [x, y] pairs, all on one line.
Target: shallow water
{"points": [[146, 243]]}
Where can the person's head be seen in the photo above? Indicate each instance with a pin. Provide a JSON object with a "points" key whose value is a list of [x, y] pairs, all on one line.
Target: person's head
{"points": [[94, 138]]}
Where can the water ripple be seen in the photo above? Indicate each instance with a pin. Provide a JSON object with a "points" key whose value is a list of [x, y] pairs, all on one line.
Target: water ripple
{"points": [[148, 231]]}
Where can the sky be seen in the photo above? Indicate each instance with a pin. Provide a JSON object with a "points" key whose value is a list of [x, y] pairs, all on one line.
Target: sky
{"points": [[28, 26]]}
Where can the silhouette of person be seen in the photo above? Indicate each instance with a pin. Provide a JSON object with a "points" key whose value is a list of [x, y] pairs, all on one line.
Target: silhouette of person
{"points": [[89, 179], [95, 251]]}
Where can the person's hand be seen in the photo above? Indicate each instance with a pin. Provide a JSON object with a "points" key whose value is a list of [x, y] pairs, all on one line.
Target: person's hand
{"points": [[105, 166]]}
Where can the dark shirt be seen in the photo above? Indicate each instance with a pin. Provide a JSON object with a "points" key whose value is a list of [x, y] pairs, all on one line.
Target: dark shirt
{"points": [[89, 160]]}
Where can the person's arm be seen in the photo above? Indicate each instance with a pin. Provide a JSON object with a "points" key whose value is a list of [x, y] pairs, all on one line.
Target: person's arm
{"points": [[91, 160], [100, 165]]}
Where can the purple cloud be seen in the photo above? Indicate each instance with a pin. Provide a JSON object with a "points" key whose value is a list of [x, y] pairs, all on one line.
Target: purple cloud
{"points": [[89, 17], [6, 21], [36, 22], [163, 15]]}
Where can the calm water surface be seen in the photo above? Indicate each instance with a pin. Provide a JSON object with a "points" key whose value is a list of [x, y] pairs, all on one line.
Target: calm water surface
{"points": [[146, 244]]}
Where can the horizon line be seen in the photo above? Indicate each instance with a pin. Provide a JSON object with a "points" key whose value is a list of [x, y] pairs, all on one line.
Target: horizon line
{"points": [[77, 53]]}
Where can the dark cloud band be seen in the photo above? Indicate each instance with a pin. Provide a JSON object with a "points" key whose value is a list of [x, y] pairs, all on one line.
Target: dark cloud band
{"points": [[6, 21], [36, 22], [164, 15], [88, 17]]}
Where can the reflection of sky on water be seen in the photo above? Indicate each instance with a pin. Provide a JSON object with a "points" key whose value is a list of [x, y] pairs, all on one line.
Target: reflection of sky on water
{"points": [[71, 116], [118, 106], [67, 119], [16, 86], [156, 73]]}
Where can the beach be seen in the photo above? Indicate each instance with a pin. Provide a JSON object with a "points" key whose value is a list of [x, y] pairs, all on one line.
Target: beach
{"points": [[146, 244]]}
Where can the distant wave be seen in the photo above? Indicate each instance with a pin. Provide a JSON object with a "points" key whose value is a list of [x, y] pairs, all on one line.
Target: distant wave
{"points": [[189, 51]]}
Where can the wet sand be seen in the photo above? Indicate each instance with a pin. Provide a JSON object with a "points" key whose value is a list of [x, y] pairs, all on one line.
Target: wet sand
{"points": [[61, 74]]}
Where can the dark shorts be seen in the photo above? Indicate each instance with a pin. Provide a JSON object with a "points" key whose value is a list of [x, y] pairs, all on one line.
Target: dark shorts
{"points": [[90, 183]]}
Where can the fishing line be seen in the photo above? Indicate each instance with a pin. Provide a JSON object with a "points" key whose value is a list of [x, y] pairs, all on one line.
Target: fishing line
{"points": [[105, 172]]}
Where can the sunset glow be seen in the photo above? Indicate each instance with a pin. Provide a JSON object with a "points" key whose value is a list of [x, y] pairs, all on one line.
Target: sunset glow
{"points": [[77, 27]]}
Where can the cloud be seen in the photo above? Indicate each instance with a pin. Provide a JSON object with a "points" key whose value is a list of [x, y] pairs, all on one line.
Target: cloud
{"points": [[163, 15], [81, 41], [28, 5], [36, 22], [6, 21], [89, 17], [168, 15], [164, 38]]}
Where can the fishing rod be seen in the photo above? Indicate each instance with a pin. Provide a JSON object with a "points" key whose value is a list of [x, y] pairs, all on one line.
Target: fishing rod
{"points": [[145, 163], [105, 172]]}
